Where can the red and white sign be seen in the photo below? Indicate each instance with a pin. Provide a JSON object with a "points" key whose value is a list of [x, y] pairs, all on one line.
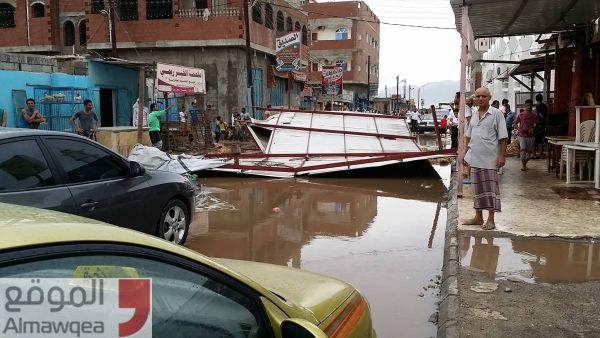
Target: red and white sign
{"points": [[333, 80], [179, 79], [76, 307]]}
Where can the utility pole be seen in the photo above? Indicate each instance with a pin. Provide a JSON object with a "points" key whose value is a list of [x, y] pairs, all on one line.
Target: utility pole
{"points": [[111, 26], [419, 98], [368, 81], [249, 79], [409, 90]]}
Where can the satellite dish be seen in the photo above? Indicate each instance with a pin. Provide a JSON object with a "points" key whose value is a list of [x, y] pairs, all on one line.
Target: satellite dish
{"points": [[501, 46], [526, 42]]}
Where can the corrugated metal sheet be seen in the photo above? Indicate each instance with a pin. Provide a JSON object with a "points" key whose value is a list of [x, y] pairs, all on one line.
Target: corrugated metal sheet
{"points": [[319, 142]]}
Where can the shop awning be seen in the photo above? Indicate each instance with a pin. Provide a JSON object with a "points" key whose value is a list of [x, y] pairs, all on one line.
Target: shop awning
{"points": [[491, 18]]}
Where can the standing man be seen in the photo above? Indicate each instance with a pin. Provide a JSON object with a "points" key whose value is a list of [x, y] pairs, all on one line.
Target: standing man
{"points": [[487, 140], [469, 110], [4, 118], [30, 117], [526, 125], [414, 121], [154, 124], [510, 118], [453, 123], [541, 110], [88, 121]]}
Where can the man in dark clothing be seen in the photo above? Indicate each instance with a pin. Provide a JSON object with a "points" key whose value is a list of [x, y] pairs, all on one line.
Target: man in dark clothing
{"points": [[88, 121], [453, 123], [540, 129]]}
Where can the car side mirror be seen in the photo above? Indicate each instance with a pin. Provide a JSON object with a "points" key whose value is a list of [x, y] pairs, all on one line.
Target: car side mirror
{"points": [[300, 328], [136, 169]]}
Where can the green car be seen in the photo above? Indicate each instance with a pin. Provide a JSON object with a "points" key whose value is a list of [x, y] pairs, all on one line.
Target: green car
{"points": [[192, 295]]}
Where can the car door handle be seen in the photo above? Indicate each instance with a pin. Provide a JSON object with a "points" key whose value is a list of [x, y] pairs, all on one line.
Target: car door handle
{"points": [[87, 205]]}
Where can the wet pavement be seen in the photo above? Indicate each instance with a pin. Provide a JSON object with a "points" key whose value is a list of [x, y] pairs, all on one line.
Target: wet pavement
{"points": [[384, 236]]}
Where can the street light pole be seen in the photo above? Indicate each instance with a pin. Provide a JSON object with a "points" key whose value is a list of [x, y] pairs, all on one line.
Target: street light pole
{"points": [[398, 94]]}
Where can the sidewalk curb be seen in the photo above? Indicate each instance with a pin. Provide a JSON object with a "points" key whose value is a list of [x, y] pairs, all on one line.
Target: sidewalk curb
{"points": [[448, 323]]}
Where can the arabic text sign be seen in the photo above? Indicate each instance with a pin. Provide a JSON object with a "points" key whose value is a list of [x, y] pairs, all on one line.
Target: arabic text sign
{"points": [[178, 79], [288, 52], [332, 83], [76, 307]]}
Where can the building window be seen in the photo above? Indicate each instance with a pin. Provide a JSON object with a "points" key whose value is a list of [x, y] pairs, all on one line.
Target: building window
{"points": [[343, 64], [97, 6], [201, 4], [280, 20], [315, 66], [341, 34], [69, 33], [7, 16], [304, 36], [37, 10], [159, 9], [257, 13], [290, 24], [314, 36], [269, 16], [128, 10], [82, 33], [297, 27]]}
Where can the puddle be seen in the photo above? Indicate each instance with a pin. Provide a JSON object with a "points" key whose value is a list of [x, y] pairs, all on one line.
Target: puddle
{"points": [[532, 260], [385, 236]]}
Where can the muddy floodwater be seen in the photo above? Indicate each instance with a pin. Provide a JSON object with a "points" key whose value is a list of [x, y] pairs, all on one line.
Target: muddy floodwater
{"points": [[384, 236]]}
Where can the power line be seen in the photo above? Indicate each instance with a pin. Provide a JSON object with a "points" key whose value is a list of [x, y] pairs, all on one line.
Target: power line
{"points": [[367, 20]]}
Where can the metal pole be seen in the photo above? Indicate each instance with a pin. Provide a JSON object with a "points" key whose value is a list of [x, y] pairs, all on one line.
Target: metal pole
{"points": [[249, 79], [398, 94], [113, 33], [419, 98], [368, 81], [141, 102], [463, 86]]}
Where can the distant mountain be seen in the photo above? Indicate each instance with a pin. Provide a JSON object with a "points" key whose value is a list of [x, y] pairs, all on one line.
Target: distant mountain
{"points": [[432, 92]]}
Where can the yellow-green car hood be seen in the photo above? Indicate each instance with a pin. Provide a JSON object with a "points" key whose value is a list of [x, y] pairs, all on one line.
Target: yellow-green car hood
{"points": [[318, 294]]}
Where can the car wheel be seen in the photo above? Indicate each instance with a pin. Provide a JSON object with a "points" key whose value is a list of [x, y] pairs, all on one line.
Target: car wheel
{"points": [[174, 222]]}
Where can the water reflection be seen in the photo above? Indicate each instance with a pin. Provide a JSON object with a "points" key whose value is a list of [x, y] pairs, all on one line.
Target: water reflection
{"points": [[385, 236], [533, 260], [274, 219]]}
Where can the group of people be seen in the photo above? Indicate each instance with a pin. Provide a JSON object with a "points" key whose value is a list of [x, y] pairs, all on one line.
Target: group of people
{"points": [[488, 131], [31, 118]]}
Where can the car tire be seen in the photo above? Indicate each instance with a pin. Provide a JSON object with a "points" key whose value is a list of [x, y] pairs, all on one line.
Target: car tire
{"points": [[174, 222]]}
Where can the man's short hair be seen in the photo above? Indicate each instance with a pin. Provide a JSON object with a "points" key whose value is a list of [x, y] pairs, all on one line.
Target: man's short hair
{"points": [[208, 106], [30, 100], [539, 97], [86, 101], [528, 101], [504, 101], [152, 106], [455, 110]]}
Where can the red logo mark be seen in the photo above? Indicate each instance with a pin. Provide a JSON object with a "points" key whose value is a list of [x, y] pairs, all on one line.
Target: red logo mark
{"points": [[134, 294]]}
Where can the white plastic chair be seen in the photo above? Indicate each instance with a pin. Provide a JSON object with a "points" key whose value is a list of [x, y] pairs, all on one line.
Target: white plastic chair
{"points": [[582, 158]]}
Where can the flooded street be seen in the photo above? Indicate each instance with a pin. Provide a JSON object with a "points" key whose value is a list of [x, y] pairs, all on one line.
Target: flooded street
{"points": [[384, 236]]}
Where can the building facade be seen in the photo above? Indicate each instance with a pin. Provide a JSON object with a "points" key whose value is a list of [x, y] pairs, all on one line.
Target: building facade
{"points": [[346, 34], [207, 34]]}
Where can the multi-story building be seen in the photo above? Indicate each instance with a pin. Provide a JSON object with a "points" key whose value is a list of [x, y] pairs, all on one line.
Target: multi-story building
{"points": [[345, 34], [207, 34]]}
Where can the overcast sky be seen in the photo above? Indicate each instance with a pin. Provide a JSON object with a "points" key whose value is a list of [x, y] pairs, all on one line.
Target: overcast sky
{"points": [[417, 54]]}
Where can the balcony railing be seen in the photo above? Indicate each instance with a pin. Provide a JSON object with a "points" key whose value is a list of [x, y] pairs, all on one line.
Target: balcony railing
{"points": [[208, 12]]}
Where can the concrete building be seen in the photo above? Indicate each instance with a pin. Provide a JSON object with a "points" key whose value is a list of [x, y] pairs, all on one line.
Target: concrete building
{"points": [[207, 34], [347, 34]]}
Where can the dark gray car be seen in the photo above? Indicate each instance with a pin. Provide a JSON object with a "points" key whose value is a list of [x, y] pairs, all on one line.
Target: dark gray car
{"points": [[72, 174]]}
